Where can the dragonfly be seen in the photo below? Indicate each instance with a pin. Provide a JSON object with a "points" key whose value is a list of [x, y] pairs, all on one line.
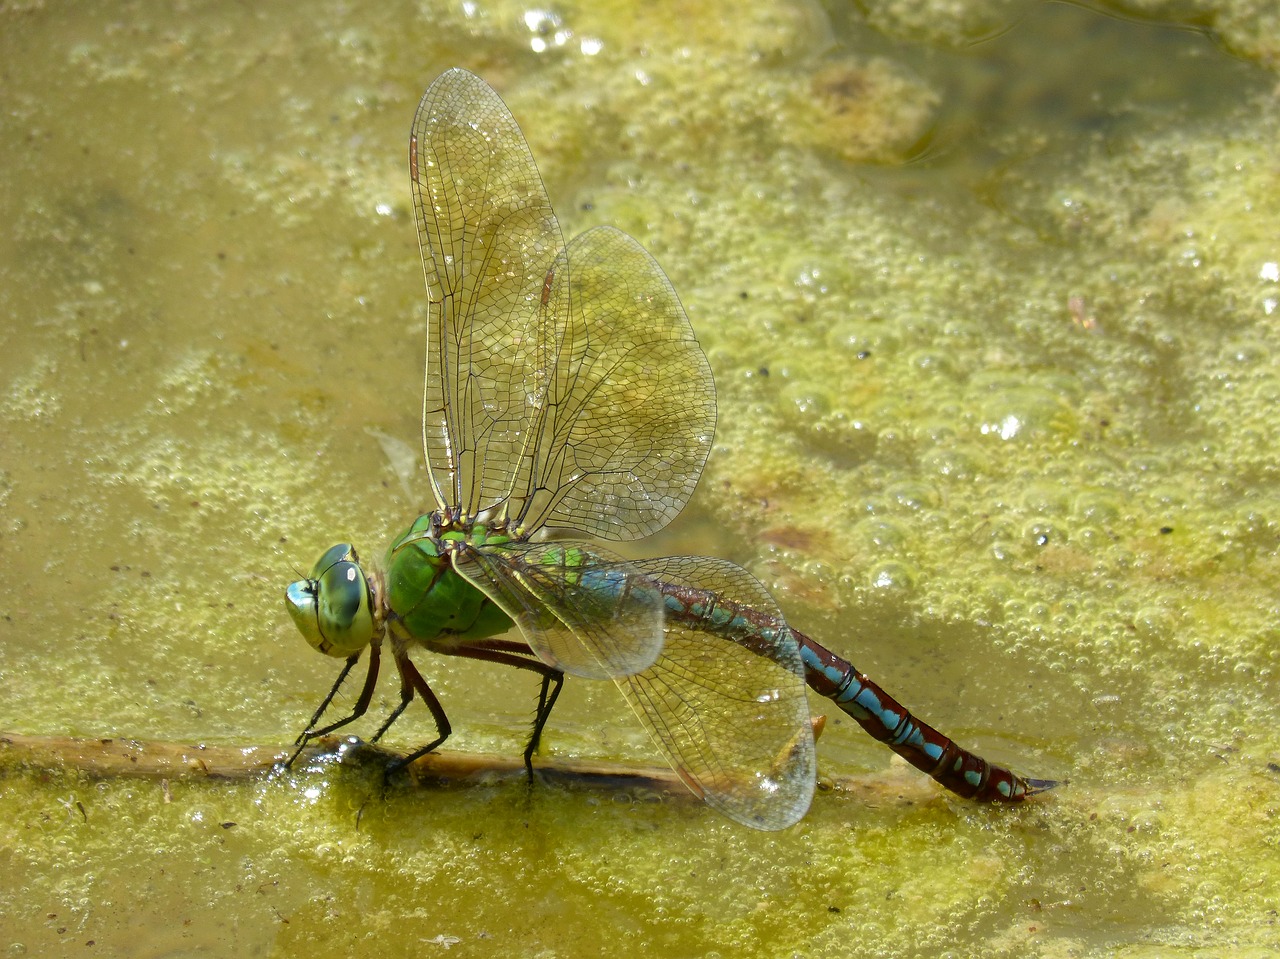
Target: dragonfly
{"points": [[566, 401]]}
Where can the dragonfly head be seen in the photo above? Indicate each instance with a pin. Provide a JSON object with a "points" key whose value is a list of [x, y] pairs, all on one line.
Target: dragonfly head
{"points": [[333, 609]]}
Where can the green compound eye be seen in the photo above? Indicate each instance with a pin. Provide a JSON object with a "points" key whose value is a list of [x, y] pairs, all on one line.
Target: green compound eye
{"points": [[332, 609]]}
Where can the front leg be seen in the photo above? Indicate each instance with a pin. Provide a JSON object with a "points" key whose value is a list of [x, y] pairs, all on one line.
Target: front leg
{"points": [[361, 706]]}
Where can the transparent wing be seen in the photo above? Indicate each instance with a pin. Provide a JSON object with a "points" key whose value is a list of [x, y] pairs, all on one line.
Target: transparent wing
{"points": [[726, 699], [581, 609], [563, 385], [698, 648], [488, 239], [629, 413]]}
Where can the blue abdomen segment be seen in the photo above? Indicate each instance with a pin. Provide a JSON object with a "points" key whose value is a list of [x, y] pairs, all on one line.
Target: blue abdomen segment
{"points": [[756, 630], [722, 618], [918, 743], [754, 627]]}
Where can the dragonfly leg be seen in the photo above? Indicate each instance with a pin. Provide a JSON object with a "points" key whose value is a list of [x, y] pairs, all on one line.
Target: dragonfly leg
{"points": [[519, 655], [552, 680], [361, 706], [411, 682]]}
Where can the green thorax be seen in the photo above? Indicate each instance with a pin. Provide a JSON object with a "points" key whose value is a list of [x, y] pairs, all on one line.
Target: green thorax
{"points": [[424, 596]]}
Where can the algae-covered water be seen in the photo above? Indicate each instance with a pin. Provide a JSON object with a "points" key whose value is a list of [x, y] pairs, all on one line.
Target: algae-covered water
{"points": [[990, 291]]}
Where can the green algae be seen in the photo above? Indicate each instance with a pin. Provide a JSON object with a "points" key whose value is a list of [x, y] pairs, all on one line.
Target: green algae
{"points": [[997, 424]]}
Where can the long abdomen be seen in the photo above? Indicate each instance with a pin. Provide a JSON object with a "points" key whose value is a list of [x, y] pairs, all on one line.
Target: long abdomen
{"points": [[716, 597], [918, 743]]}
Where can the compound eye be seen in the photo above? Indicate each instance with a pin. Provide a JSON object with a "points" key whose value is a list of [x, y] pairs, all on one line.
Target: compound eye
{"points": [[333, 609]]}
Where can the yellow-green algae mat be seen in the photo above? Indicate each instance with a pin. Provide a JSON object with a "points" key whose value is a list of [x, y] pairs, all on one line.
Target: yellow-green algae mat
{"points": [[991, 295]]}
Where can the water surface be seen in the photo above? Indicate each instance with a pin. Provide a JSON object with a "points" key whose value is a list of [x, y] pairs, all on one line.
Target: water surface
{"points": [[991, 305]]}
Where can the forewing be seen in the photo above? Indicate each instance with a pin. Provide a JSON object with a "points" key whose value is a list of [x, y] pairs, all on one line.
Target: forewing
{"points": [[562, 386], [728, 705], [488, 239], [581, 609]]}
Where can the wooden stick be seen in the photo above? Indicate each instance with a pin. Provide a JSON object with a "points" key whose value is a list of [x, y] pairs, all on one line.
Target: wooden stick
{"points": [[166, 761]]}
